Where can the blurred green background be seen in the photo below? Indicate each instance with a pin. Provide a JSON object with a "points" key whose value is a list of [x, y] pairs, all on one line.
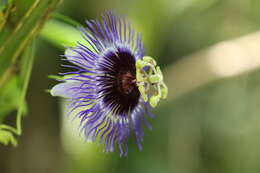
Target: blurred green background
{"points": [[213, 129]]}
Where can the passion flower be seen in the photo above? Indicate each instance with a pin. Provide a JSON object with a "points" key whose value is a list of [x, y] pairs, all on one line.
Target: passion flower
{"points": [[113, 86]]}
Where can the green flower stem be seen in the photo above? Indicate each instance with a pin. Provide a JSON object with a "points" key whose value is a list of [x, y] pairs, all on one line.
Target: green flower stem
{"points": [[28, 64], [61, 34], [28, 59], [66, 19]]}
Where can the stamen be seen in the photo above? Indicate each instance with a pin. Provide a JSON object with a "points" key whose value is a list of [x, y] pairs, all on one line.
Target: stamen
{"points": [[150, 81]]}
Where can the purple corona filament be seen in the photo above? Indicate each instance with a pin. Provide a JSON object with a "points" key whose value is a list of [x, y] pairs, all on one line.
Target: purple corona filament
{"points": [[102, 89]]}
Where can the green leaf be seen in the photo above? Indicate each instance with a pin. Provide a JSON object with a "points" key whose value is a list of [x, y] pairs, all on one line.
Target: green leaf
{"points": [[27, 27], [4, 4], [5, 9], [13, 41], [7, 137], [9, 96]]}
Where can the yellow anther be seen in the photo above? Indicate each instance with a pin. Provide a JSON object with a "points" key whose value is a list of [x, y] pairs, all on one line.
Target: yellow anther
{"points": [[154, 100], [155, 78], [164, 91], [149, 60], [140, 64]]}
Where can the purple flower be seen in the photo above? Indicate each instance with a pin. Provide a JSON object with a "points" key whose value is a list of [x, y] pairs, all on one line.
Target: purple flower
{"points": [[102, 89]]}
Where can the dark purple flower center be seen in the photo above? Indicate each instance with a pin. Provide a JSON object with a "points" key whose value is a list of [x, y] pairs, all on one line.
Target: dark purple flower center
{"points": [[119, 88], [126, 82]]}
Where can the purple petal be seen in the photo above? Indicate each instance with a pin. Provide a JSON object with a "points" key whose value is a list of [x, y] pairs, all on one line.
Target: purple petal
{"points": [[67, 89]]}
